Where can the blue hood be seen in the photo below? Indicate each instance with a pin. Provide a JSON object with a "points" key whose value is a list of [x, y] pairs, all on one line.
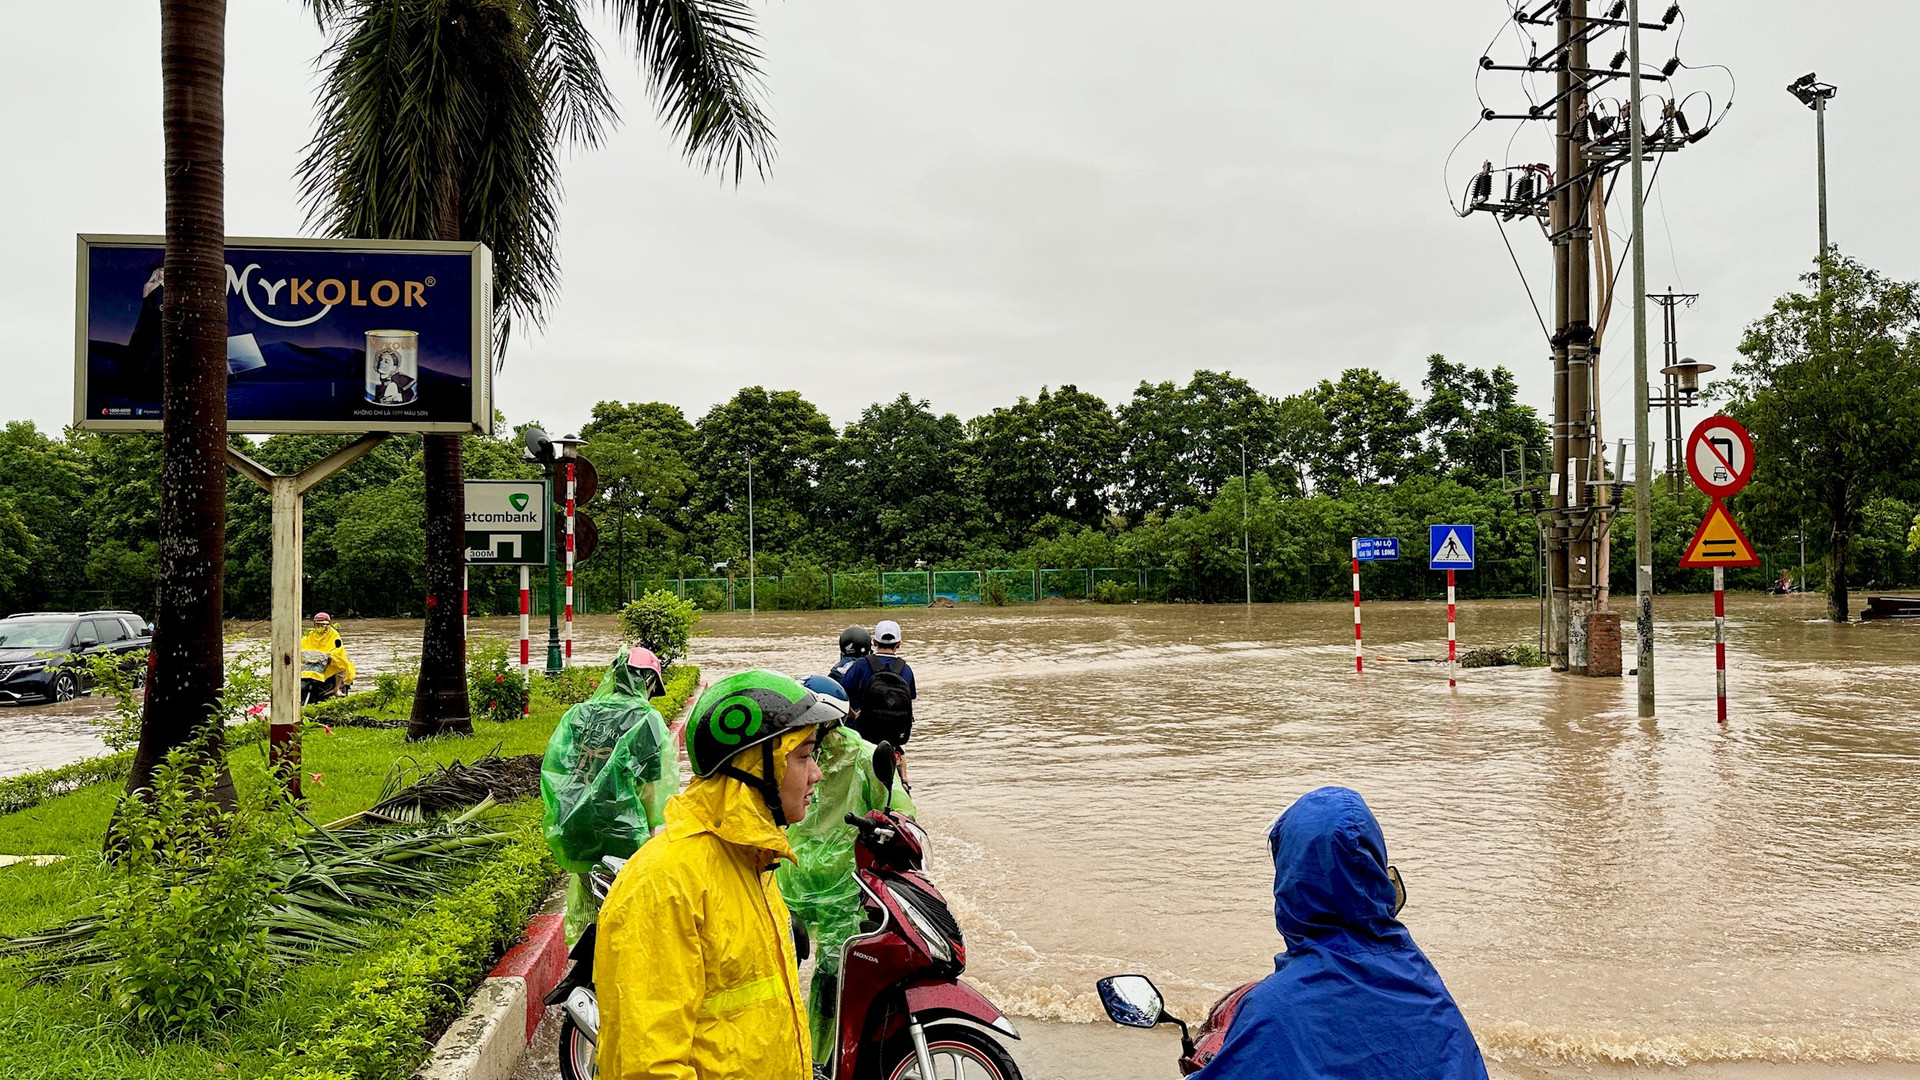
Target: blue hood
{"points": [[1352, 997]]}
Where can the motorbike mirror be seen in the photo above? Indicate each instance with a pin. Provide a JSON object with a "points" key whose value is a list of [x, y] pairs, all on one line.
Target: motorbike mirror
{"points": [[1132, 1000], [885, 764]]}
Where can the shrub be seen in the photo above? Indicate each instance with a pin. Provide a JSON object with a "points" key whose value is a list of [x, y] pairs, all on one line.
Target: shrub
{"points": [[495, 690], [29, 790], [995, 592], [662, 622], [394, 686], [119, 676], [683, 682], [570, 686], [417, 983], [1112, 592], [183, 923]]}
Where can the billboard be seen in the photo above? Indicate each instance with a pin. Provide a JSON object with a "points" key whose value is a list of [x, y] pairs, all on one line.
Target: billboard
{"points": [[340, 336], [507, 522]]}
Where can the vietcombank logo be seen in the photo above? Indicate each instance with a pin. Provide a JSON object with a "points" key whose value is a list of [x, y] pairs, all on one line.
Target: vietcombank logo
{"points": [[519, 511]]}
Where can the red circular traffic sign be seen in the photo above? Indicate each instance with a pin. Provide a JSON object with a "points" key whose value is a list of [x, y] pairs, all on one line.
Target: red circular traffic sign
{"points": [[1720, 456]]}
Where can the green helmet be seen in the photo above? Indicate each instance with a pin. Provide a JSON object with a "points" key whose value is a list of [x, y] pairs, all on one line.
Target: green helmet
{"points": [[740, 712]]}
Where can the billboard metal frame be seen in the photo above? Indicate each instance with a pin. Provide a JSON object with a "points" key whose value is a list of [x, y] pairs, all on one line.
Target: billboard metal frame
{"points": [[481, 420]]}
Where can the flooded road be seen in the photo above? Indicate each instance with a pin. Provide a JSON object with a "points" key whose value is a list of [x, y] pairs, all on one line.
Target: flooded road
{"points": [[1595, 888]]}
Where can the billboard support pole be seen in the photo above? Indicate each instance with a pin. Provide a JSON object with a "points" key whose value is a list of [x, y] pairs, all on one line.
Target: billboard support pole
{"points": [[287, 492]]}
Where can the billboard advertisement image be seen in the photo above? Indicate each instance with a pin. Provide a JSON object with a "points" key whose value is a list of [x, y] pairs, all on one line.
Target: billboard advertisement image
{"points": [[341, 336]]}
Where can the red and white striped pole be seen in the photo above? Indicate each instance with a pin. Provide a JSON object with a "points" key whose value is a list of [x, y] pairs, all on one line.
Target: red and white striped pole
{"points": [[464, 609], [526, 609], [568, 662], [1720, 638], [1450, 644], [1358, 662]]}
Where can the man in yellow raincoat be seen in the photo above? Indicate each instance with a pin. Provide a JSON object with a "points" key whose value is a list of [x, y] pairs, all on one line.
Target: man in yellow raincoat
{"points": [[695, 968]]}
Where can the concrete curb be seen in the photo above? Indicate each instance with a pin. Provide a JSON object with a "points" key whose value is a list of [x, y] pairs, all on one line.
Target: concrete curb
{"points": [[489, 1038]]}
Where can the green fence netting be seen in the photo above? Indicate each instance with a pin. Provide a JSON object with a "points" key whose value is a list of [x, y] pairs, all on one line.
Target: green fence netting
{"points": [[857, 590], [959, 586], [1014, 586], [1065, 584], [906, 588]]}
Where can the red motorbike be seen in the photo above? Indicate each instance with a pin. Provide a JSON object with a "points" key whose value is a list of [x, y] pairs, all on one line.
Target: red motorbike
{"points": [[903, 1012]]}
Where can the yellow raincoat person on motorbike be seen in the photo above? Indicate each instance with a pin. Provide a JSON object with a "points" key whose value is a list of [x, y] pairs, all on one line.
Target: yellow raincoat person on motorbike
{"points": [[695, 968], [325, 671]]}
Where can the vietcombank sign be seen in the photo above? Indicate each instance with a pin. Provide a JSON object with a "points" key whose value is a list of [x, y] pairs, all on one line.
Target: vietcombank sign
{"points": [[341, 336], [506, 522]]}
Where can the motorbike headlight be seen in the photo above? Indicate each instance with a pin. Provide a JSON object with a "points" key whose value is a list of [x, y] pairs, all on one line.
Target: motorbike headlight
{"points": [[936, 941], [913, 829]]}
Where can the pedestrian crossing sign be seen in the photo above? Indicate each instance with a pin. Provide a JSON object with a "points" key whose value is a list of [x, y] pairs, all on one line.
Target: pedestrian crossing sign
{"points": [[1719, 542], [1450, 547]]}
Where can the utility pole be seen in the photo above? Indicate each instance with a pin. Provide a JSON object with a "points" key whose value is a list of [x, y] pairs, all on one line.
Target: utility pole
{"points": [[1642, 433], [1594, 135], [1680, 382]]}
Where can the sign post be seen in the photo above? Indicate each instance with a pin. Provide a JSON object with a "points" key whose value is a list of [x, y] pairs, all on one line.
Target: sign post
{"points": [[1367, 549], [1720, 460], [1450, 548], [507, 526]]}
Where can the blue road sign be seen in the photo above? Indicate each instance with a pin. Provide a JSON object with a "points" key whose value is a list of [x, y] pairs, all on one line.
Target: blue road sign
{"points": [[1450, 547], [1376, 548]]}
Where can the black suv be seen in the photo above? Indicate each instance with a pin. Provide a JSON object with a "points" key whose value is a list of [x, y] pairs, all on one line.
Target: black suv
{"points": [[41, 651]]}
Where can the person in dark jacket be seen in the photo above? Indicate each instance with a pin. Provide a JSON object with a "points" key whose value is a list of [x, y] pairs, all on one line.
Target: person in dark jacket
{"points": [[1352, 997], [882, 690]]}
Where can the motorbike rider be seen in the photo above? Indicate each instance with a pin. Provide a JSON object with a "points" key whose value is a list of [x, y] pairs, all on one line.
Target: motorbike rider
{"points": [[1352, 997], [324, 659], [818, 884], [855, 643], [609, 770], [695, 966], [882, 690]]}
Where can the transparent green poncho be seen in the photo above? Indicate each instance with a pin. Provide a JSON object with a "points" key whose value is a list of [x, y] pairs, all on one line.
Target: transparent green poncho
{"points": [[609, 770], [818, 885]]}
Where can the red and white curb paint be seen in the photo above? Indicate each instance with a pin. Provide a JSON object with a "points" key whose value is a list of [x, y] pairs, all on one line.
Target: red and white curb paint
{"points": [[491, 1036]]}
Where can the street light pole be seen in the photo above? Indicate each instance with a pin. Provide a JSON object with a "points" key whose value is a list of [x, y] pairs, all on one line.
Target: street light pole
{"points": [[1820, 140], [1246, 536], [752, 605], [1642, 441]]}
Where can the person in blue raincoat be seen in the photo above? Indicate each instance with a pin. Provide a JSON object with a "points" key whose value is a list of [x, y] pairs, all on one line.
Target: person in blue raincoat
{"points": [[1352, 997]]}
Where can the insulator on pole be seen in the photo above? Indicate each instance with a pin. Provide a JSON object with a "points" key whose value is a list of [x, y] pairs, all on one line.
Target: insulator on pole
{"points": [[1482, 188]]}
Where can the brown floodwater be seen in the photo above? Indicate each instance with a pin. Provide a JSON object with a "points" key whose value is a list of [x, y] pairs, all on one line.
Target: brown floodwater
{"points": [[1595, 888]]}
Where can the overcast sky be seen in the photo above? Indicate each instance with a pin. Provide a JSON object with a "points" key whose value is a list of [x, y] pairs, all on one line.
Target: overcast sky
{"points": [[972, 200]]}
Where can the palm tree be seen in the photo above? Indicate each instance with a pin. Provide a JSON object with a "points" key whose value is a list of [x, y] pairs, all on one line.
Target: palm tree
{"points": [[444, 119], [188, 668]]}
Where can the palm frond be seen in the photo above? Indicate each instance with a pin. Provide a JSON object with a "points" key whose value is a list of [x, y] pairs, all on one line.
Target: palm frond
{"points": [[703, 71], [331, 889]]}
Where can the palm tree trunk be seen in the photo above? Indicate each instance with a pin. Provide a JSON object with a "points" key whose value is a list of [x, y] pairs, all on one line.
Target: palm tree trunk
{"points": [[188, 665], [440, 698]]}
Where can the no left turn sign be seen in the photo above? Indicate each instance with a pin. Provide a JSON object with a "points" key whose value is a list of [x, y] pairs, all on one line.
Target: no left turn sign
{"points": [[1720, 456]]}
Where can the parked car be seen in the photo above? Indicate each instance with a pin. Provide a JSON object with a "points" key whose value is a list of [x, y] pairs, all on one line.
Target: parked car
{"points": [[42, 653]]}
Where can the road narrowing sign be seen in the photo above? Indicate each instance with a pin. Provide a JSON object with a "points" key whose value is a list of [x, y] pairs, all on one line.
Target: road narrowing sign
{"points": [[1720, 456], [1450, 547], [1719, 542]]}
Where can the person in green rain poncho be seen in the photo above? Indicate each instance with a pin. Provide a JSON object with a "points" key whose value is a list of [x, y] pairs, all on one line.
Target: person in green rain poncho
{"points": [[818, 885], [609, 771]]}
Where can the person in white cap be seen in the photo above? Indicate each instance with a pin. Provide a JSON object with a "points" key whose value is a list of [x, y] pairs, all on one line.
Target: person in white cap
{"points": [[881, 690]]}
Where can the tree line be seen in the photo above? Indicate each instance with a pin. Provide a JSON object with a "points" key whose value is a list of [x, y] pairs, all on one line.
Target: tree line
{"points": [[1058, 479]]}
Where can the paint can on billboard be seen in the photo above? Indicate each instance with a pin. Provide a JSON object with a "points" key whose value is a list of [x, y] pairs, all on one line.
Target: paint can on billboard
{"points": [[393, 367]]}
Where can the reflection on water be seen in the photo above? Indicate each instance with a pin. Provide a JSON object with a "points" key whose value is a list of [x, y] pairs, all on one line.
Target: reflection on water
{"points": [[1593, 886]]}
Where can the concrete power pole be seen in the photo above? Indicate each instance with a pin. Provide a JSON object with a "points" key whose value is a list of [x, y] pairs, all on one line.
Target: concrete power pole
{"points": [[1594, 136]]}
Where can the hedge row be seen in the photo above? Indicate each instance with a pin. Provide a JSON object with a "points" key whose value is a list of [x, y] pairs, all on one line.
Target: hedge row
{"points": [[419, 982], [28, 790]]}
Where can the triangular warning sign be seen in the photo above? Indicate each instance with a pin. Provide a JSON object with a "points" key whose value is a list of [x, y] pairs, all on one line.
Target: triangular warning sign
{"points": [[1719, 542]]}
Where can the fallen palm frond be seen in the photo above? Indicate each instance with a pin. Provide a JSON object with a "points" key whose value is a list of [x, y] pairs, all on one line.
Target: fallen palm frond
{"points": [[332, 887], [413, 794]]}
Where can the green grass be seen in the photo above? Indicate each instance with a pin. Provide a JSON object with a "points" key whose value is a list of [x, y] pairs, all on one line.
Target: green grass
{"points": [[64, 1030]]}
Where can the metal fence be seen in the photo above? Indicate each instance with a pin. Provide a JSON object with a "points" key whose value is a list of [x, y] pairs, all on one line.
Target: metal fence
{"points": [[816, 590]]}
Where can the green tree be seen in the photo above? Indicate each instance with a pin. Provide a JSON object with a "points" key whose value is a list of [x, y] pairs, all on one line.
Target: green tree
{"points": [[444, 119], [1055, 456], [1833, 403], [47, 483], [896, 487], [1472, 416], [1182, 444], [641, 477], [1373, 430], [787, 439]]}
